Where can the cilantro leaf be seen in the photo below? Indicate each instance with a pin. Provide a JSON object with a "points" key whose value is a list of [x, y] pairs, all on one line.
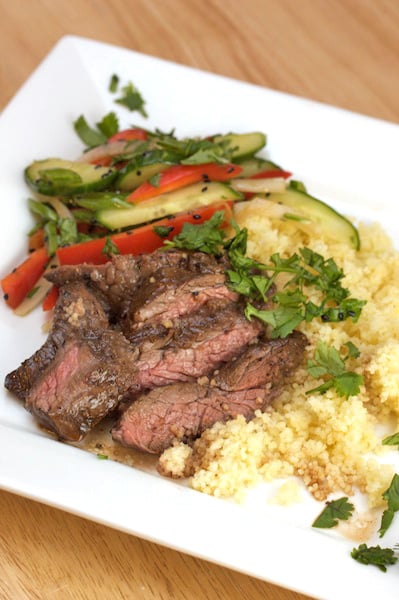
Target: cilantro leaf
{"points": [[374, 555], [353, 351], [163, 230], [328, 362], [334, 511], [207, 237], [132, 99], [391, 440], [113, 83], [109, 125], [89, 136], [391, 495], [154, 180], [110, 248], [283, 320], [68, 232]]}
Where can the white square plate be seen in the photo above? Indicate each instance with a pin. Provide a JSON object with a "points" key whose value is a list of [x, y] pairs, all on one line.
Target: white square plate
{"points": [[347, 159]]}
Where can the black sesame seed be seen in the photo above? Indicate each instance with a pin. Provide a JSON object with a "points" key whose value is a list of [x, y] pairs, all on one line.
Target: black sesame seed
{"points": [[195, 293], [138, 173], [5, 297], [230, 170], [325, 318], [97, 166], [351, 313], [341, 316], [14, 270], [204, 189], [196, 217]]}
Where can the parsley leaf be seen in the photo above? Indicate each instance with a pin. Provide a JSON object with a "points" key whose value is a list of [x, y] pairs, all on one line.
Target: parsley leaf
{"points": [[68, 232], [391, 440], [335, 510], [113, 83], [374, 555], [154, 180], [207, 237], [163, 230], [282, 319], [89, 136], [132, 99], [110, 248], [109, 125], [391, 495], [328, 361]]}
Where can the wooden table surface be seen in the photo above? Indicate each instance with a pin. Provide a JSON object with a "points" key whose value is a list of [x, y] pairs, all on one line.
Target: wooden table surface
{"points": [[343, 52]]}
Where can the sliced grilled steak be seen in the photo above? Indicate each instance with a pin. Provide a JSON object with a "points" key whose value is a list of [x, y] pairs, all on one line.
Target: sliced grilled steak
{"points": [[81, 372], [196, 345], [120, 278], [183, 411]]}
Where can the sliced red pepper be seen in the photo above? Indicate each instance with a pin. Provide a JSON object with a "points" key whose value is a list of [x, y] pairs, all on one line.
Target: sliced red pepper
{"points": [[36, 240], [129, 134], [267, 175], [23, 278], [271, 174], [179, 176], [140, 240], [50, 299]]}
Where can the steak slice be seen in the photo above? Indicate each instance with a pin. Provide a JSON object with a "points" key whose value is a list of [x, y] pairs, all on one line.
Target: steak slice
{"points": [[81, 372], [195, 346], [182, 411], [120, 278]]}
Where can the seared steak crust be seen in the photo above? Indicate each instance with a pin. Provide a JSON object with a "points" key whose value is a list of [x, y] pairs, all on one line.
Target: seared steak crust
{"points": [[183, 411]]}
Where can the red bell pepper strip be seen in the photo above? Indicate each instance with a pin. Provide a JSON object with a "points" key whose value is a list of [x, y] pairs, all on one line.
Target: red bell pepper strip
{"points": [[271, 174], [21, 280], [140, 240], [179, 176], [51, 298], [36, 240], [129, 134]]}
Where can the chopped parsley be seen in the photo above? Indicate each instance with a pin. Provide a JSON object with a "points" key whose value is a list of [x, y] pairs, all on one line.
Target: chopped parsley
{"points": [[89, 136], [391, 440], [328, 362], [110, 248], [391, 495], [132, 99], [307, 269], [207, 237], [374, 555], [109, 125], [335, 510], [102, 456], [113, 83], [163, 230]]}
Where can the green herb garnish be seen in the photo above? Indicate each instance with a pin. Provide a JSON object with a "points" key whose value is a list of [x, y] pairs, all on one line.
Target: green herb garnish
{"points": [[391, 440], [154, 180], [109, 125], [328, 362], [374, 555], [102, 456], [335, 510], [113, 83], [207, 237], [89, 136], [132, 99], [32, 292], [110, 248], [391, 495], [163, 230]]}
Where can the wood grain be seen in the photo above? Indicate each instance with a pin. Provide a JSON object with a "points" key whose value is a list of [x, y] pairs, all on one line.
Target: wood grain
{"points": [[343, 52]]}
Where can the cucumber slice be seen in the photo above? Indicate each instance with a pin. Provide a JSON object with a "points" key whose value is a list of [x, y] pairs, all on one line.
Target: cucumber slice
{"points": [[54, 177], [187, 198], [254, 166], [100, 201], [243, 144], [143, 167], [329, 220]]}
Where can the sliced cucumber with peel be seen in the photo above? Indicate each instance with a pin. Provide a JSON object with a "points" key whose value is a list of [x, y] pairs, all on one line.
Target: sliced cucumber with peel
{"points": [[254, 166], [242, 144], [187, 198], [55, 177], [143, 167], [329, 220]]}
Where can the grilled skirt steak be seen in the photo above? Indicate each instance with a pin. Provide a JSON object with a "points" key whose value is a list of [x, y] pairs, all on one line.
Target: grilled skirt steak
{"points": [[81, 372], [182, 411]]}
